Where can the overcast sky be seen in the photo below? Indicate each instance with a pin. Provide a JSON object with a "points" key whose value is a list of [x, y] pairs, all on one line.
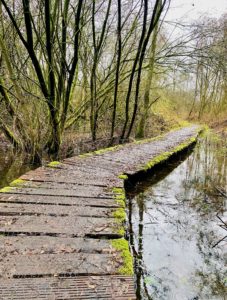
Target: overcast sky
{"points": [[187, 10]]}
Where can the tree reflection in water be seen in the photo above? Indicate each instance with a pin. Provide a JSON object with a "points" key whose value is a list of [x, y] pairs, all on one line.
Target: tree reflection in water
{"points": [[174, 226]]}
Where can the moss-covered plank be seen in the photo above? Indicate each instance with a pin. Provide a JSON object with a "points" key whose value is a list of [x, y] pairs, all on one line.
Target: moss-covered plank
{"points": [[78, 192], [55, 210], [59, 200], [19, 183]]}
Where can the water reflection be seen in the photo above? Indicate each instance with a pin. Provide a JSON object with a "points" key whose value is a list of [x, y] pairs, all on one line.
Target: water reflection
{"points": [[175, 230], [12, 165]]}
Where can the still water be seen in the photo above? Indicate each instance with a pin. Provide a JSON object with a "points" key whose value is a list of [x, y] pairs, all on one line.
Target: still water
{"points": [[12, 165], [176, 227]]}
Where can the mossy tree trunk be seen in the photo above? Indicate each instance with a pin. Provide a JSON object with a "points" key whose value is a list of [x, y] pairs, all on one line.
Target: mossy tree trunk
{"points": [[148, 83]]}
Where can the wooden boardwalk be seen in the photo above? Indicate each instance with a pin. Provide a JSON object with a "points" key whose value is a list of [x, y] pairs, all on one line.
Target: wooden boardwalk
{"points": [[62, 226]]}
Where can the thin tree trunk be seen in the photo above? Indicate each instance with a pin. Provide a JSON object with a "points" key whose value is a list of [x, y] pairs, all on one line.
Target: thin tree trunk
{"points": [[136, 60], [196, 91], [146, 98], [119, 41], [97, 45], [158, 8]]}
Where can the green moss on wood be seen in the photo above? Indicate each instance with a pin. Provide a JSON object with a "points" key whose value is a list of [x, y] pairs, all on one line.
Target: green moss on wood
{"points": [[118, 228], [6, 189], [104, 150], [85, 155], [119, 196], [161, 136], [119, 225], [18, 182], [120, 231], [121, 245], [158, 159], [166, 155], [120, 214], [54, 164], [148, 140], [123, 176], [100, 151], [140, 141], [117, 190], [120, 202]]}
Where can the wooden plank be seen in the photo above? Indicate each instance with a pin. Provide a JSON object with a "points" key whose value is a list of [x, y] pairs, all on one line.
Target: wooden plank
{"points": [[54, 210], [27, 245], [107, 287], [83, 180], [59, 200], [53, 226], [95, 163], [83, 169], [74, 173], [59, 264], [62, 186], [79, 192], [69, 226]]}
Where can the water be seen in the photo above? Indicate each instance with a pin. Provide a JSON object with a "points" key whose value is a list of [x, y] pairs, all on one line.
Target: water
{"points": [[175, 227], [12, 165]]}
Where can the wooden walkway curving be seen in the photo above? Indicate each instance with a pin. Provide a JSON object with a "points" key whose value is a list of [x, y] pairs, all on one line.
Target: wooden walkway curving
{"points": [[62, 226]]}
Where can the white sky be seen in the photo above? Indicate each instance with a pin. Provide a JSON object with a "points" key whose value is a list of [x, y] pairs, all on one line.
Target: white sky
{"points": [[187, 10]]}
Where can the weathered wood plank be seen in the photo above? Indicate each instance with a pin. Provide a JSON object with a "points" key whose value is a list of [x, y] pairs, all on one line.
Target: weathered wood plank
{"points": [[54, 210], [75, 288], [75, 172], [71, 226], [61, 186], [59, 264], [59, 200], [78, 192], [53, 226], [27, 245], [95, 163], [84, 169], [83, 180]]}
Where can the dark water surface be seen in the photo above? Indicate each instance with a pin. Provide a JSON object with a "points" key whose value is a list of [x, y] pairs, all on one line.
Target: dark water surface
{"points": [[175, 227], [12, 165]]}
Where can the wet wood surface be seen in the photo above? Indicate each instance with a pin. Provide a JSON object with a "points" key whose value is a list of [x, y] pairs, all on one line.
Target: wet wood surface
{"points": [[57, 225]]}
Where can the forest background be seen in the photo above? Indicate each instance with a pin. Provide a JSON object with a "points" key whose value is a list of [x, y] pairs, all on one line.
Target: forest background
{"points": [[98, 73]]}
